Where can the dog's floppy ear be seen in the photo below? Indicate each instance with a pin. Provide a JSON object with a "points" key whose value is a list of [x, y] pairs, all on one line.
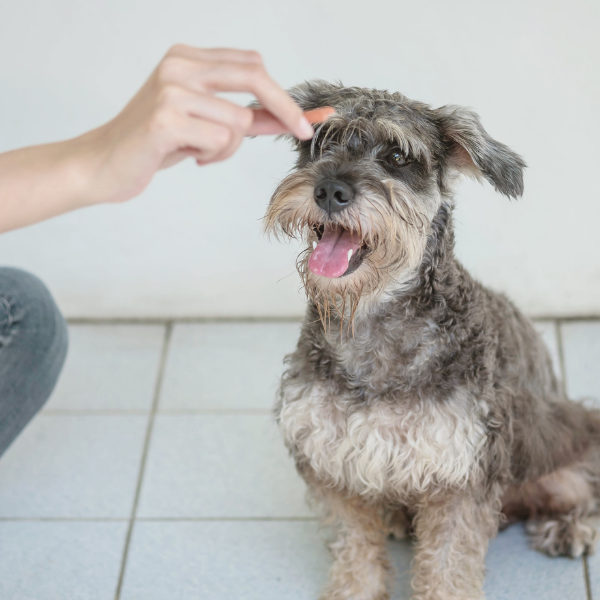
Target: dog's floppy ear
{"points": [[475, 153]]}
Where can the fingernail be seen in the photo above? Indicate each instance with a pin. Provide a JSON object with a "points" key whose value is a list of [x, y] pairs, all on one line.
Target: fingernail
{"points": [[305, 129]]}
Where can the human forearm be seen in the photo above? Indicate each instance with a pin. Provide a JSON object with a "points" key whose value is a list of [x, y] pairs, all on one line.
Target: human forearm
{"points": [[39, 182]]}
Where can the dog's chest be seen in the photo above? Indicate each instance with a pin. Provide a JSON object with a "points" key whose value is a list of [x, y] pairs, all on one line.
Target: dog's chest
{"points": [[386, 448]]}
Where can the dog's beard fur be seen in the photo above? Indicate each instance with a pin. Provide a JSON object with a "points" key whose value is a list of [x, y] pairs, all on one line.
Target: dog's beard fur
{"points": [[387, 216]]}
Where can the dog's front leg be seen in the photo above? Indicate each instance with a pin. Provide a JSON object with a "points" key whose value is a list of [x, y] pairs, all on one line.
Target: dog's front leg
{"points": [[360, 570], [453, 530]]}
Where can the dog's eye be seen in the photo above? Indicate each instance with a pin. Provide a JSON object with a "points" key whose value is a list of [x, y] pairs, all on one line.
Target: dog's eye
{"points": [[397, 158]]}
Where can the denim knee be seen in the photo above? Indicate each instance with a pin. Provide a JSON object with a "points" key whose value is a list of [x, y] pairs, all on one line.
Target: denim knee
{"points": [[33, 348]]}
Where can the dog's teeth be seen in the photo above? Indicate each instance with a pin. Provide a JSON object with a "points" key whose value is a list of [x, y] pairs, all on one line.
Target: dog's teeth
{"points": [[314, 245], [349, 255]]}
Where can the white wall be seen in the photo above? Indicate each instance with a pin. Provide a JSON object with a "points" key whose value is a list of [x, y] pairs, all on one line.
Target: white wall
{"points": [[191, 244]]}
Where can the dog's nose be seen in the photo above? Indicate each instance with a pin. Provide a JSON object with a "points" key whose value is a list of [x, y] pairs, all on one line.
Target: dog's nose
{"points": [[333, 195]]}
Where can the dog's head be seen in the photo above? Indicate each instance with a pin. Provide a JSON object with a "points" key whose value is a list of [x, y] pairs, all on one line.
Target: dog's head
{"points": [[367, 187]]}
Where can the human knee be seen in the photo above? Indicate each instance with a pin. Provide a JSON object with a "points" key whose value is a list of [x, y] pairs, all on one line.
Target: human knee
{"points": [[30, 320]]}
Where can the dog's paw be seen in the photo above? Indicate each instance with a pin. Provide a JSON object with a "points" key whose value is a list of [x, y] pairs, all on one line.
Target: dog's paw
{"points": [[399, 525], [566, 535]]}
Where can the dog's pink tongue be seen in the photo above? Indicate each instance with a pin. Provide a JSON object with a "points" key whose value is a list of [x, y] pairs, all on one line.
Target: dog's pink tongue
{"points": [[330, 257]]}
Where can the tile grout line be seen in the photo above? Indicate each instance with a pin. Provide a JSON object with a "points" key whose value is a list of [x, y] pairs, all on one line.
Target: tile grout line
{"points": [[225, 519], [168, 320], [263, 319], [154, 519], [561, 353], [64, 519], [167, 412], [561, 360], [586, 577], [136, 499]]}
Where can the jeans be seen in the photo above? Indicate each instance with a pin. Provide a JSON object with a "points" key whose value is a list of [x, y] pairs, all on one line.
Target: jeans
{"points": [[33, 348]]}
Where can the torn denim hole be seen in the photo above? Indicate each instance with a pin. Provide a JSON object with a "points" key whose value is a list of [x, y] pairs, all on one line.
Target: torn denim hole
{"points": [[6, 320]]}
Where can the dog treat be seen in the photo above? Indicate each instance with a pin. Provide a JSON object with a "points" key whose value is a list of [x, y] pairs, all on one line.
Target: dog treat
{"points": [[318, 115], [266, 124]]}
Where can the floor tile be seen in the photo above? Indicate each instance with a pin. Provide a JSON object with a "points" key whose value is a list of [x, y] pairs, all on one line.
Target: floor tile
{"points": [[52, 560], [226, 365], [515, 572], [225, 561], [73, 466], [277, 559], [219, 466], [109, 367], [242, 560], [547, 329], [581, 345]]}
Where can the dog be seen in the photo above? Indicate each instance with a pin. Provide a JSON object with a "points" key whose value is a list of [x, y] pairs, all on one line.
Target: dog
{"points": [[418, 402]]}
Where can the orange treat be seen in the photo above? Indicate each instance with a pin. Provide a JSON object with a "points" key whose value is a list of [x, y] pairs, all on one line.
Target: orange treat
{"points": [[318, 115]]}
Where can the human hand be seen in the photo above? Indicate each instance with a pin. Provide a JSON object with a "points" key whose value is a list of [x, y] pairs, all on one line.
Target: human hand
{"points": [[176, 114]]}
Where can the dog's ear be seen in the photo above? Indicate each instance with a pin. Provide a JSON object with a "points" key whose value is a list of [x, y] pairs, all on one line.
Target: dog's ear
{"points": [[475, 153]]}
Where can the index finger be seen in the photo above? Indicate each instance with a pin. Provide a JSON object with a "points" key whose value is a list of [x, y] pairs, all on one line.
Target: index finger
{"points": [[280, 104], [239, 77], [216, 54]]}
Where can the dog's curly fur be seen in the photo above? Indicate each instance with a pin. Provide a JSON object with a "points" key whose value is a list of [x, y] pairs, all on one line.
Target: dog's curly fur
{"points": [[417, 399]]}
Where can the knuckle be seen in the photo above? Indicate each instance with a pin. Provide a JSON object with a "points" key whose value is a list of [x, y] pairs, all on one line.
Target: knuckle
{"points": [[168, 70], [162, 120], [168, 95]]}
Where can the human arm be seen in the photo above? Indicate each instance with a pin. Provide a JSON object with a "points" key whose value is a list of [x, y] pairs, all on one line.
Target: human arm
{"points": [[174, 115]]}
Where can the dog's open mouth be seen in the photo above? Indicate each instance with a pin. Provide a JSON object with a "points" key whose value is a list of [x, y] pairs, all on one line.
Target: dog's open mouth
{"points": [[338, 252]]}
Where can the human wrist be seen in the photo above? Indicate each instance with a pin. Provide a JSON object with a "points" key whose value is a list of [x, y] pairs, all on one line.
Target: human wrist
{"points": [[83, 160]]}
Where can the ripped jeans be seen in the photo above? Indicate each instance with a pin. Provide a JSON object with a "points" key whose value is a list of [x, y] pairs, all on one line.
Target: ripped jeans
{"points": [[33, 347]]}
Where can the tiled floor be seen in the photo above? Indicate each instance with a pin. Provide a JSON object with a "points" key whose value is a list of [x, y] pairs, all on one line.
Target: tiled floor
{"points": [[155, 472]]}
